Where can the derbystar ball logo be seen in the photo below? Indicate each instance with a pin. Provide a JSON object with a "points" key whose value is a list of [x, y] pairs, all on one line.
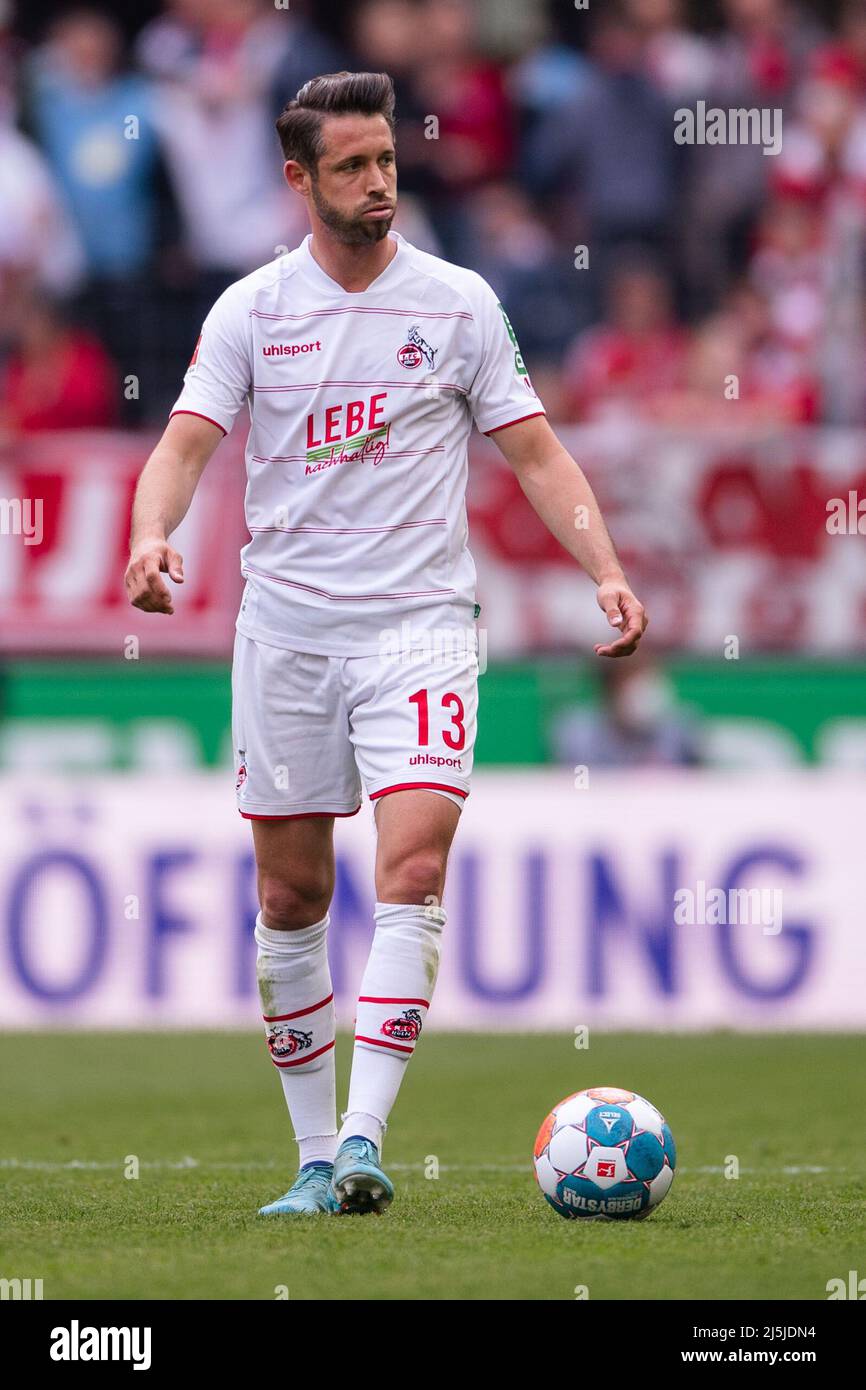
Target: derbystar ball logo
{"points": [[601, 1205]]}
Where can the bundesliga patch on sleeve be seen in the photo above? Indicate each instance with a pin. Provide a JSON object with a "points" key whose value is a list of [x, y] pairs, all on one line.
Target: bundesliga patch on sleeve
{"points": [[194, 358], [519, 364]]}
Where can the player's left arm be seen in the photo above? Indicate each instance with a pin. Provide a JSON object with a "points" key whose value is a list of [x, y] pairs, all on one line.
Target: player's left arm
{"points": [[557, 490]]}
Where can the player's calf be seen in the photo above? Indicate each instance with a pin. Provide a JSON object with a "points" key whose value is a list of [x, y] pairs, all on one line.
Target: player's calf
{"points": [[298, 1011]]}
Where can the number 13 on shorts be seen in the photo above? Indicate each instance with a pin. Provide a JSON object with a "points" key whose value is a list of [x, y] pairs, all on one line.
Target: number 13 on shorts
{"points": [[453, 737], [431, 723]]}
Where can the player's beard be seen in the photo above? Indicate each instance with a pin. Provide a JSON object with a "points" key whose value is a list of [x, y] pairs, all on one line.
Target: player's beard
{"points": [[352, 231]]}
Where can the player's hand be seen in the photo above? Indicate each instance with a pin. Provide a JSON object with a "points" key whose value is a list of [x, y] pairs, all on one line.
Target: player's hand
{"points": [[623, 611], [145, 589]]}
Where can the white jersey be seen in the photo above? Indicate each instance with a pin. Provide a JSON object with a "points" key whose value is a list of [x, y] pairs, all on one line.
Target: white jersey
{"points": [[361, 407]]}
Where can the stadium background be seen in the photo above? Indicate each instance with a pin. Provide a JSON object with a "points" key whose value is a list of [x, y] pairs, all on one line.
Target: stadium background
{"points": [[141, 178]]}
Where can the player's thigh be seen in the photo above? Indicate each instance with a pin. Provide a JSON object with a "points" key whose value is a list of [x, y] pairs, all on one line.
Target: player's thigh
{"points": [[415, 830], [295, 869]]}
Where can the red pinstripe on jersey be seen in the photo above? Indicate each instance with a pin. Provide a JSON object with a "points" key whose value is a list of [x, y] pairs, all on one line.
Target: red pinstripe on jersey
{"points": [[400, 385], [349, 530], [392, 453], [368, 309], [348, 598]]}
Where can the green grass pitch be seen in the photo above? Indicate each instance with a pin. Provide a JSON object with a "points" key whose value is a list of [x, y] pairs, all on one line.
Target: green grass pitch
{"points": [[204, 1116]]}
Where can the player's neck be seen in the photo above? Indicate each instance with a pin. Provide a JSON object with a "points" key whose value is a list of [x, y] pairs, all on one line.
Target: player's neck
{"points": [[353, 267]]}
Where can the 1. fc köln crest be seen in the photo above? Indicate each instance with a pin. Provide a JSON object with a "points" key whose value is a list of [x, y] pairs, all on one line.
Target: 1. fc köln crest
{"points": [[406, 1028], [416, 350], [285, 1042], [242, 770]]}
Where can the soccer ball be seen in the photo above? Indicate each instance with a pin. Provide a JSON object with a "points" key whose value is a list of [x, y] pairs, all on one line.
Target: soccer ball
{"points": [[604, 1154]]}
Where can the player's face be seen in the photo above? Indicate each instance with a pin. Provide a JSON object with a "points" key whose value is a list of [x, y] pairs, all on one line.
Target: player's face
{"points": [[354, 189]]}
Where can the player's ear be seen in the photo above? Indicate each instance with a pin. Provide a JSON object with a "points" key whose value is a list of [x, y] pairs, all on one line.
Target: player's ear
{"points": [[296, 176]]}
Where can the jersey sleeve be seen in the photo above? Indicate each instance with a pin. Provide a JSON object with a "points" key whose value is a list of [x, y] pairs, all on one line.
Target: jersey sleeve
{"points": [[219, 377], [501, 392]]}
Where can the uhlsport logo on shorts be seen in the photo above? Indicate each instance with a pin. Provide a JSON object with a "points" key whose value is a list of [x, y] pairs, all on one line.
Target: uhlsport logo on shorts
{"points": [[286, 1042], [406, 1028], [434, 760], [242, 770]]}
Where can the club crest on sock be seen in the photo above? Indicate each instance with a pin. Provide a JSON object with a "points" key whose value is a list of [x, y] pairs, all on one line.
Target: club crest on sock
{"points": [[285, 1042], [407, 1027]]}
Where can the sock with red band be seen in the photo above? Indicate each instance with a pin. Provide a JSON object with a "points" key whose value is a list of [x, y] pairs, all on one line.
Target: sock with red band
{"points": [[298, 1009], [395, 995]]}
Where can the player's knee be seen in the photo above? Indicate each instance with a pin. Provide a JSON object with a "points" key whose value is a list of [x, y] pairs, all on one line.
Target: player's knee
{"points": [[416, 878], [291, 904]]}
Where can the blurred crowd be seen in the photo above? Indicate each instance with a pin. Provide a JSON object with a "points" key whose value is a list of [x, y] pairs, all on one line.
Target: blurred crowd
{"points": [[140, 174]]}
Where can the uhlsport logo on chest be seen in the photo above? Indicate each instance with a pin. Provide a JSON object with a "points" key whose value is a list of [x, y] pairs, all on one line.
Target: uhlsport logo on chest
{"points": [[291, 349]]}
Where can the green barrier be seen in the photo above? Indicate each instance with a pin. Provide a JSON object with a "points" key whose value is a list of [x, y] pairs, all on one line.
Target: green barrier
{"points": [[118, 714]]}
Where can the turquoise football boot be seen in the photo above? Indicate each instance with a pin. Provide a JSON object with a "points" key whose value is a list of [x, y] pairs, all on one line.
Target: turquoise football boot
{"points": [[358, 1185], [309, 1195]]}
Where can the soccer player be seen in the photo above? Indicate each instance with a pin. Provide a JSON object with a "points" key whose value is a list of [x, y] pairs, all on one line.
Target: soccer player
{"points": [[363, 363]]}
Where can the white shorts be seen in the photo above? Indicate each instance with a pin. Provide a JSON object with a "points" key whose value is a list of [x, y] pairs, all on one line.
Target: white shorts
{"points": [[307, 729]]}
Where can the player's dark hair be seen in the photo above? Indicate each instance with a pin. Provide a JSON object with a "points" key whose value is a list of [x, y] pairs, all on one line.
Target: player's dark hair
{"points": [[299, 124]]}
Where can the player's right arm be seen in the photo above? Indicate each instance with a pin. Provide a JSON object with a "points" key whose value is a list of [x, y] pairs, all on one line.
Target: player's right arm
{"points": [[162, 498], [216, 385]]}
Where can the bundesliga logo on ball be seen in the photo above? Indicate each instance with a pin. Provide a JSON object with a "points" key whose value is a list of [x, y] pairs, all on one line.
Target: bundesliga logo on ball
{"points": [[604, 1154]]}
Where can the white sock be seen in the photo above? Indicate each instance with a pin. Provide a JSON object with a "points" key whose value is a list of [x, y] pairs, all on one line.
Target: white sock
{"points": [[395, 995], [298, 1010]]}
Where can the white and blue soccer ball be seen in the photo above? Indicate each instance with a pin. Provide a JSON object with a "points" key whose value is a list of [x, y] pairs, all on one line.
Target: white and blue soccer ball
{"points": [[603, 1154]]}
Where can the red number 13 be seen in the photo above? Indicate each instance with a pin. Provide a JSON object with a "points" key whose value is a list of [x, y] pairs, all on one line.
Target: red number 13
{"points": [[454, 738]]}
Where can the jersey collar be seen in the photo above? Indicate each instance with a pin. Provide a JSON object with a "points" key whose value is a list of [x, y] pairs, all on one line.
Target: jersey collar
{"points": [[315, 272]]}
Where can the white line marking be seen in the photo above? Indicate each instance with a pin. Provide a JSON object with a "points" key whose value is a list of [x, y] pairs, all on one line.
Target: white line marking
{"points": [[188, 1163]]}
